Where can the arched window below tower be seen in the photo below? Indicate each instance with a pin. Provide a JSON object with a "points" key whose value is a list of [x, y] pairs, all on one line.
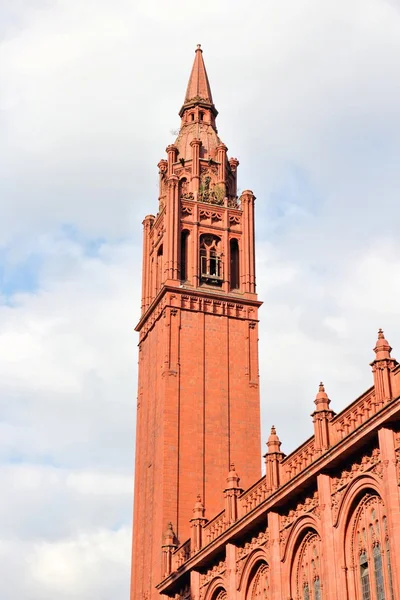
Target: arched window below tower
{"points": [[368, 551], [184, 255], [210, 260], [306, 570], [258, 587], [234, 264]]}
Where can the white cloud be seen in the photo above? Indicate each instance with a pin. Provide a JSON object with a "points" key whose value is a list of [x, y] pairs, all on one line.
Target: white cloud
{"points": [[309, 101]]}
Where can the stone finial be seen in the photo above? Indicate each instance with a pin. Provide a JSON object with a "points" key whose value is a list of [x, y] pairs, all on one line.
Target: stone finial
{"points": [[322, 401], [198, 509], [274, 443], [382, 347], [169, 536], [233, 478]]}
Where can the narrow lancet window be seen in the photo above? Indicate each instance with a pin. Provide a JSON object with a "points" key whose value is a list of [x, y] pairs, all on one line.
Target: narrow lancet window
{"points": [[364, 574], [235, 272], [184, 255], [159, 268], [380, 587]]}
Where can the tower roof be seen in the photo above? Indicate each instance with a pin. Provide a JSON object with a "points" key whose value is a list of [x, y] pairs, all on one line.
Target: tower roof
{"points": [[198, 90], [198, 86]]}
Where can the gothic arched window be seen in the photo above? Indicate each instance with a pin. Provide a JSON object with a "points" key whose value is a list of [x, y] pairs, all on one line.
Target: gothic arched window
{"points": [[259, 588], [307, 567], [210, 260], [370, 550]]}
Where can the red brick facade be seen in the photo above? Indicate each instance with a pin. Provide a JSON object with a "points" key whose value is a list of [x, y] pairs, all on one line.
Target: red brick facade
{"points": [[324, 522]]}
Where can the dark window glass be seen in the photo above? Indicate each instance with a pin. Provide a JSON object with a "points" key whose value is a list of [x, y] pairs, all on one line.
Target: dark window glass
{"points": [[364, 573], [306, 591], [235, 272], [317, 589]]}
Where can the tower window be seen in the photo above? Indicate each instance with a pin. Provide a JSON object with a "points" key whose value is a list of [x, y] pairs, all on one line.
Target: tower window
{"points": [[234, 262], [184, 255], [364, 574], [159, 268], [201, 116], [192, 116], [210, 260]]}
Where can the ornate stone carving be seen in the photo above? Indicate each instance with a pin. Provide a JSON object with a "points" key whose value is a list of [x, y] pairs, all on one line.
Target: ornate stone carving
{"points": [[262, 540], [184, 594], [310, 505], [208, 214], [371, 463], [186, 209], [212, 573]]}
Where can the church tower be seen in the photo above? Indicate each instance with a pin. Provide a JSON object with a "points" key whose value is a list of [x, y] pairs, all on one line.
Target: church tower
{"points": [[198, 405]]}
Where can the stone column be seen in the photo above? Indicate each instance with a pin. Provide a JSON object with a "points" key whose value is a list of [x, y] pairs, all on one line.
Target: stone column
{"points": [[332, 559], [197, 524], [232, 493], [321, 419], [273, 460], [392, 500], [382, 368]]}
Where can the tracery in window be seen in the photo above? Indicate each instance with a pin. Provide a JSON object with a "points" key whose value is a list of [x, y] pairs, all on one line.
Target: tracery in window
{"points": [[210, 260], [258, 588], [308, 568], [370, 550]]}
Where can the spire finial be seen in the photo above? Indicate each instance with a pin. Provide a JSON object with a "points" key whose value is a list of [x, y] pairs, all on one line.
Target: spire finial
{"points": [[274, 443], [198, 509], [382, 348], [199, 48], [233, 478], [322, 401], [169, 535]]}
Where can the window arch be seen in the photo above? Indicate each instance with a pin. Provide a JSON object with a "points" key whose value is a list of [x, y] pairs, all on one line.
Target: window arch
{"points": [[368, 550], [210, 260], [259, 585], [307, 568]]}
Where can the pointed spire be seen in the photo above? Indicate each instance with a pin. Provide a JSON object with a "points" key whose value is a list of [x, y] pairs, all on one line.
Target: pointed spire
{"points": [[198, 86], [198, 91], [274, 443], [322, 401], [382, 348]]}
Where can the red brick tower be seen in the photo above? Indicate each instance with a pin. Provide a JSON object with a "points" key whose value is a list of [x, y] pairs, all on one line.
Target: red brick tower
{"points": [[198, 399]]}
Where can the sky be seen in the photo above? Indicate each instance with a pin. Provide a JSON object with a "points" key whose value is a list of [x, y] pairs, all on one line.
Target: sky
{"points": [[308, 94]]}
